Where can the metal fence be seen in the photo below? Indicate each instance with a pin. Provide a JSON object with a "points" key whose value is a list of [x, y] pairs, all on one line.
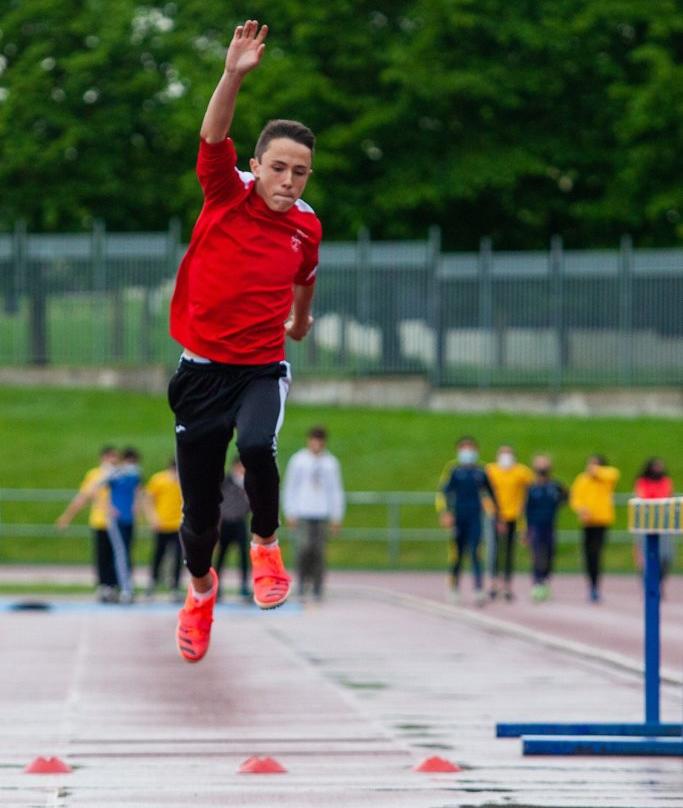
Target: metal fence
{"points": [[390, 517], [553, 319]]}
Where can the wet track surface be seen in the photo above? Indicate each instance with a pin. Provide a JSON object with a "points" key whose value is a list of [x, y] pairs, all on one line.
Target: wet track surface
{"points": [[348, 695]]}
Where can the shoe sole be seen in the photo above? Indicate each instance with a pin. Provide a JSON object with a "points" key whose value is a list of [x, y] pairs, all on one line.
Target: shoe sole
{"points": [[191, 660], [267, 606]]}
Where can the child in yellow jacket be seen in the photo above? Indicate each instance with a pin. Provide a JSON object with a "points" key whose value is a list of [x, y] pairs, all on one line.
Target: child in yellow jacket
{"points": [[591, 497], [510, 480]]}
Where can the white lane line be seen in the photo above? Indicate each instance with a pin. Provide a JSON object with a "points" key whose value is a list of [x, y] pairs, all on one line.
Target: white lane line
{"points": [[612, 658]]}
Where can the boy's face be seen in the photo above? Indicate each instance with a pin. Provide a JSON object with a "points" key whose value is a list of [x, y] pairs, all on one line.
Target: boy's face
{"points": [[467, 452], [542, 467], [282, 173], [316, 445]]}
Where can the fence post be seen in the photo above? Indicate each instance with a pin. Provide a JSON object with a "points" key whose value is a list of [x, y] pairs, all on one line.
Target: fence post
{"points": [[172, 246], [35, 287], [362, 280], [115, 283], [626, 310], [485, 309], [16, 269], [394, 529], [146, 325], [557, 310], [98, 264], [436, 305]]}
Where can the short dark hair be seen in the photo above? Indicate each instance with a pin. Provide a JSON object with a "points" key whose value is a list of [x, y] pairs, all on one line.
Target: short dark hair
{"points": [[282, 128], [650, 466], [318, 432], [107, 449], [129, 453], [467, 439]]}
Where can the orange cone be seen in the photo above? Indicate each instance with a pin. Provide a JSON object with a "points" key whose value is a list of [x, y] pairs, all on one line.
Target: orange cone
{"points": [[437, 764], [50, 765], [261, 765]]}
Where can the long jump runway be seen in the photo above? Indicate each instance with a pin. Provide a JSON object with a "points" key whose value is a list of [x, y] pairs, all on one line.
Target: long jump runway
{"points": [[348, 696]]}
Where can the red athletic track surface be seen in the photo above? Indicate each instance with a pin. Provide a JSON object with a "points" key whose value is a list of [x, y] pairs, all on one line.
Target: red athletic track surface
{"points": [[348, 695]]}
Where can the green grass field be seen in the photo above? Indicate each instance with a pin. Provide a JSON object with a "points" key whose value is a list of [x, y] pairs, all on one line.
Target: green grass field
{"points": [[51, 436]]}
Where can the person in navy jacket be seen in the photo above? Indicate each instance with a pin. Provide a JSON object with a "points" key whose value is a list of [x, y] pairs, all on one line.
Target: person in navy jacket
{"points": [[545, 496], [459, 503]]}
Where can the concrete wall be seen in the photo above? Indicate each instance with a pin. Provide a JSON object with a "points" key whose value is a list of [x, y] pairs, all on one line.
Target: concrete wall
{"points": [[388, 391]]}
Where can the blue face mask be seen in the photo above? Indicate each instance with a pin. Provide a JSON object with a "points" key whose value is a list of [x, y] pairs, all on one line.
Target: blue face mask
{"points": [[467, 456]]}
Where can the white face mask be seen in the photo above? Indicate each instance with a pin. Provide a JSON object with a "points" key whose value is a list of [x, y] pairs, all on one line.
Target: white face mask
{"points": [[238, 479], [506, 460], [467, 456]]}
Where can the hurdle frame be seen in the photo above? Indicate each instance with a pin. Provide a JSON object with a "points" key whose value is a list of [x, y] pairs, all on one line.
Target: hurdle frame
{"points": [[651, 518]]}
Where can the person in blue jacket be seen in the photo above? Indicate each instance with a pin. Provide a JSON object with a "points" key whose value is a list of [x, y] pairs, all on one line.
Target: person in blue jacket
{"points": [[459, 503], [545, 496], [124, 490]]}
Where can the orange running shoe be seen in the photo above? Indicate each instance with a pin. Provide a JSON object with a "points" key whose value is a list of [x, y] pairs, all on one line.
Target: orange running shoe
{"points": [[271, 582], [194, 623]]}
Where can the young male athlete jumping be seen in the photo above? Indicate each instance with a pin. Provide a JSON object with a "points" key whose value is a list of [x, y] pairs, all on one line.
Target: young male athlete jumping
{"points": [[246, 281]]}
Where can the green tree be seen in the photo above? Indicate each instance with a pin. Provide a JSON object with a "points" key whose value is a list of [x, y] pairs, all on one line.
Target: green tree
{"points": [[513, 120], [83, 120]]}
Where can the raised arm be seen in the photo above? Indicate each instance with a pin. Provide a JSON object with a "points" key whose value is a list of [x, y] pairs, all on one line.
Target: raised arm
{"points": [[244, 54]]}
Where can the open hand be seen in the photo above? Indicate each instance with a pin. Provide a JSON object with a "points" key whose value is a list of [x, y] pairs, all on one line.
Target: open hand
{"points": [[246, 49]]}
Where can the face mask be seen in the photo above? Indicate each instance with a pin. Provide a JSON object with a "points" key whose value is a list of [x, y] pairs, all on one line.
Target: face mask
{"points": [[656, 474], [467, 456], [506, 460], [238, 479], [542, 472]]}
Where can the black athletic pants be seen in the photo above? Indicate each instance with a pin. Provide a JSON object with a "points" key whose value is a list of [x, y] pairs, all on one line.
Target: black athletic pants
{"points": [[234, 533], [311, 538], [505, 546], [163, 543], [104, 559], [467, 538], [542, 541], [210, 401], [593, 543]]}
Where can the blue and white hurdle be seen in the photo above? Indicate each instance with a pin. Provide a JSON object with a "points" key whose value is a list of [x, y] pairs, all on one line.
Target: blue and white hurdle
{"points": [[650, 518]]}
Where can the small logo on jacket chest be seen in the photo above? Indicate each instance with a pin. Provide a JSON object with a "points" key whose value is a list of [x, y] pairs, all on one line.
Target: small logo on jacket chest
{"points": [[296, 242]]}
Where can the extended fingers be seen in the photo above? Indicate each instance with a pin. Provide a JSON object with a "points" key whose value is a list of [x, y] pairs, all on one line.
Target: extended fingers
{"points": [[250, 30]]}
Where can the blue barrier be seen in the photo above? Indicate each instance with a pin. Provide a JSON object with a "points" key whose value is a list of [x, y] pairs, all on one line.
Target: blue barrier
{"points": [[652, 737]]}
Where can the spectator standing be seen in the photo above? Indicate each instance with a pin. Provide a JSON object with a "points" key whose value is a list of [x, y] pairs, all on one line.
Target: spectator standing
{"points": [[459, 504], [510, 480], [592, 499], [653, 482], [233, 525], [163, 508], [544, 498], [124, 489], [91, 492], [314, 505]]}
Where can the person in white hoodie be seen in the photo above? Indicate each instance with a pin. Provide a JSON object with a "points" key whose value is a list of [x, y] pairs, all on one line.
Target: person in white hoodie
{"points": [[314, 506]]}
